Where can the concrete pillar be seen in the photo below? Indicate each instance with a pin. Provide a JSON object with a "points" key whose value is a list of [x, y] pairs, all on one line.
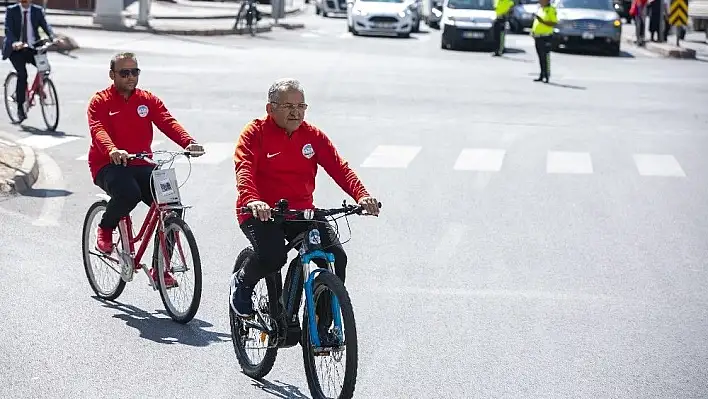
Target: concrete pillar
{"points": [[144, 13], [108, 13]]}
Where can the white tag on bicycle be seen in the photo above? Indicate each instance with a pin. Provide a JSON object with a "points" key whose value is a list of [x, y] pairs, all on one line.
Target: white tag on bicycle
{"points": [[166, 187], [42, 62]]}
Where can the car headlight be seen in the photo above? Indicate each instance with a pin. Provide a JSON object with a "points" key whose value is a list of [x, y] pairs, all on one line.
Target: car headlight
{"points": [[403, 13], [617, 23]]}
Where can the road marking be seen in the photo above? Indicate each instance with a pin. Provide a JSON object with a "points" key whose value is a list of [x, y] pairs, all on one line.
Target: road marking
{"points": [[391, 156], [658, 165], [46, 141], [480, 159], [155, 143], [309, 35], [213, 153], [568, 162], [52, 182]]}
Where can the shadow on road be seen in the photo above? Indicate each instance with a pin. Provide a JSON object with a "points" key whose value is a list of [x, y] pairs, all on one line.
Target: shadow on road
{"points": [[46, 193], [164, 330], [39, 132], [283, 390], [623, 54]]}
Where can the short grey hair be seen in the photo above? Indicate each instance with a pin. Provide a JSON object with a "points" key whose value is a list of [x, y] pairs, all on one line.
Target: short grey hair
{"points": [[282, 86]]}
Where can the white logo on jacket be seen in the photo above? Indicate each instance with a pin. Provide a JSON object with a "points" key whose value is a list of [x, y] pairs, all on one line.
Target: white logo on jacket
{"points": [[307, 151], [142, 110]]}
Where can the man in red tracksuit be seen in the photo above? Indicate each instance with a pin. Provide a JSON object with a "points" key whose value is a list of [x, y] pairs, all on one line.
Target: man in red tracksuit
{"points": [[120, 119], [277, 157]]}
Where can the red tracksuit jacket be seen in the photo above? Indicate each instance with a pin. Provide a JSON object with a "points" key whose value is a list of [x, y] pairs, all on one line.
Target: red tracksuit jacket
{"points": [[115, 122], [270, 165]]}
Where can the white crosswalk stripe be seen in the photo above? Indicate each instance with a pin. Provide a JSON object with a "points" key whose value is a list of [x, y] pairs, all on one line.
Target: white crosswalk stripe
{"points": [[389, 156]]}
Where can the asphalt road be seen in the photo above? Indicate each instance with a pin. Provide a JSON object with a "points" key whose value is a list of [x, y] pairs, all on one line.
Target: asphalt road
{"points": [[535, 241]]}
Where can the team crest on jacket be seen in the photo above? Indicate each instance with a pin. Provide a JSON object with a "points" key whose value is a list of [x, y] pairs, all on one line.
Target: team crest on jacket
{"points": [[142, 110], [308, 151]]}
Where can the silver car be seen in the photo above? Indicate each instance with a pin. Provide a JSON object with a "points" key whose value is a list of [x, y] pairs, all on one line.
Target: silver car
{"points": [[587, 24]]}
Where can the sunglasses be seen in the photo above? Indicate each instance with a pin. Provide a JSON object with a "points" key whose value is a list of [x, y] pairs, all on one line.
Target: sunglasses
{"points": [[124, 73]]}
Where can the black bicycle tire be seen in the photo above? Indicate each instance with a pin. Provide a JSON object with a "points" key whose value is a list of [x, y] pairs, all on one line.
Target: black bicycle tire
{"points": [[85, 247], [9, 76], [48, 81], [197, 264], [334, 284], [238, 15], [261, 369]]}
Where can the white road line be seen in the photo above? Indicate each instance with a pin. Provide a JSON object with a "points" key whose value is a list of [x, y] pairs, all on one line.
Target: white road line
{"points": [[658, 165], [46, 141], [213, 153], [480, 159], [84, 157], [391, 156], [568, 162], [51, 180]]}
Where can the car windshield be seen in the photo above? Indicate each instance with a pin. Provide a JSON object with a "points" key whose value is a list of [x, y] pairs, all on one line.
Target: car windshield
{"points": [[382, 1], [471, 4], [589, 4]]}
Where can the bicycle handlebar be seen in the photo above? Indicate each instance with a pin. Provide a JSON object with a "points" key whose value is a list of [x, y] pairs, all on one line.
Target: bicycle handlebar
{"points": [[174, 154], [308, 214]]}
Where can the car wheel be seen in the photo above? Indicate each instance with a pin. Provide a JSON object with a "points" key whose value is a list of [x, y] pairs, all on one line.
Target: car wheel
{"points": [[416, 27], [614, 50]]}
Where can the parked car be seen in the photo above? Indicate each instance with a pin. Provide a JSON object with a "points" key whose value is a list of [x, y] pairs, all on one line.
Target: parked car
{"points": [[587, 24], [467, 22], [522, 15], [383, 17], [330, 7]]}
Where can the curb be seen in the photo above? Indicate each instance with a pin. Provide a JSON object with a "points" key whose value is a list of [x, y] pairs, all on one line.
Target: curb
{"points": [[664, 49], [28, 174]]}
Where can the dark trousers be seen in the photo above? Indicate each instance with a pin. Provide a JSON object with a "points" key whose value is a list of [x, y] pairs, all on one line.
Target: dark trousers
{"points": [[19, 60], [498, 32], [543, 49], [268, 240], [127, 186]]}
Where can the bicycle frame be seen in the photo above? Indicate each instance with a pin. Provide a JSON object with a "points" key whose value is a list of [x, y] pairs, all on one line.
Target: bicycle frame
{"points": [[36, 88]]}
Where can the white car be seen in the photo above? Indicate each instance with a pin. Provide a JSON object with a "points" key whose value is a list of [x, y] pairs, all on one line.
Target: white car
{"points": [[467, 22], [382, 17]]}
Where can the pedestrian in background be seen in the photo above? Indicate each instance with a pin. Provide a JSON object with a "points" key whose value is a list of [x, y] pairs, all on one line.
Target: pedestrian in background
{"points": [[502, 8], [545, 19], [638, 10]]}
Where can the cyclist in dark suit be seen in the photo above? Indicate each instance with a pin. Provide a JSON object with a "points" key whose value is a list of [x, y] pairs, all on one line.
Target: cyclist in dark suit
{"points": [[22, 23]]}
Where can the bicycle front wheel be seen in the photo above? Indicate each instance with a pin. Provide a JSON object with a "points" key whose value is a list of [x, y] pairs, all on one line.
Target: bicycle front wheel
{"points": [[10, 89], [326, 287], [176, 298], [50, 105]]}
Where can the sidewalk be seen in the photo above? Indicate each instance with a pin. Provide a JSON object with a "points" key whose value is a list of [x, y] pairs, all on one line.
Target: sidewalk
{"points": [[19, 169], [687, 50], [181, 18]]}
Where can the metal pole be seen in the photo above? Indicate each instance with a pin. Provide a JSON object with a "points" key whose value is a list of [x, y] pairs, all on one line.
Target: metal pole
{"points": [[662, 24], [144, 13]]}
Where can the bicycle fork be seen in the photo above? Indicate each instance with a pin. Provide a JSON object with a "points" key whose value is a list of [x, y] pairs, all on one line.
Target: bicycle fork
{"points": [[309, 277]]}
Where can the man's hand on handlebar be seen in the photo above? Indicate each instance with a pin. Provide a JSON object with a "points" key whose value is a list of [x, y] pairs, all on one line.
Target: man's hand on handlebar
{"points": [[119, 157], [260, 210], [195, 149], [370, 205], [18, 45]]}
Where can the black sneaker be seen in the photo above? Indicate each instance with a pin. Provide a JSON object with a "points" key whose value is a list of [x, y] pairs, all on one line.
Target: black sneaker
{"points": [[240, 297]]}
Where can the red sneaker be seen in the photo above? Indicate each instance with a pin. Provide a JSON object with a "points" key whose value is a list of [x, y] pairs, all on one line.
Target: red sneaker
{"points": [[170, 282], [104, 240]]}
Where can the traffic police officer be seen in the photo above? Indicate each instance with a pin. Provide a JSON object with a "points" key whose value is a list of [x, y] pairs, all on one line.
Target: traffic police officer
{"points": [[502, 8], [542, 31]]}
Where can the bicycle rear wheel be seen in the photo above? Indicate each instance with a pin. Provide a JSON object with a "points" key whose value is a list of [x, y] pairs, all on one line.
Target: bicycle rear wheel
{"points": [[247, 340], [175, 229], [107, 287], [50, 102], [323, 283], [10, 87]]}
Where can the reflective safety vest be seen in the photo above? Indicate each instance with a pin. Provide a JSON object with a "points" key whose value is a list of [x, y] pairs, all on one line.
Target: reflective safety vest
{"points": [[502, 7], [548, 14]]}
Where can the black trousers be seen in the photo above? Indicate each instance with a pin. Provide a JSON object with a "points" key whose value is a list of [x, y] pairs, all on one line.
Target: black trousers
{"points": [[498, 31], [19, 60], [127, 186], [268, 240], [543, 49]]}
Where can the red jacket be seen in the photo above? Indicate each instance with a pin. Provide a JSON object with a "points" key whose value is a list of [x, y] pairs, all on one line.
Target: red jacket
{"points": [[270, 165], [115, 122]]}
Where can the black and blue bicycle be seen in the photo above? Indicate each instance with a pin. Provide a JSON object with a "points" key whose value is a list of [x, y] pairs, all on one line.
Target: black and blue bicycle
{"points": [[328, 330]]}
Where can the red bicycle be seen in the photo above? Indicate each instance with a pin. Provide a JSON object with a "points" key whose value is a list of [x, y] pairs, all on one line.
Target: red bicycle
{"points": [[48, 98], [165, 219]]}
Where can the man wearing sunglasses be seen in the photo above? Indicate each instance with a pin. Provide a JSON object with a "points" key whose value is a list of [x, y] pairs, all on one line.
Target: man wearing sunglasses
{"points": [[120, 119], [277, 157], [22, 23]]}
